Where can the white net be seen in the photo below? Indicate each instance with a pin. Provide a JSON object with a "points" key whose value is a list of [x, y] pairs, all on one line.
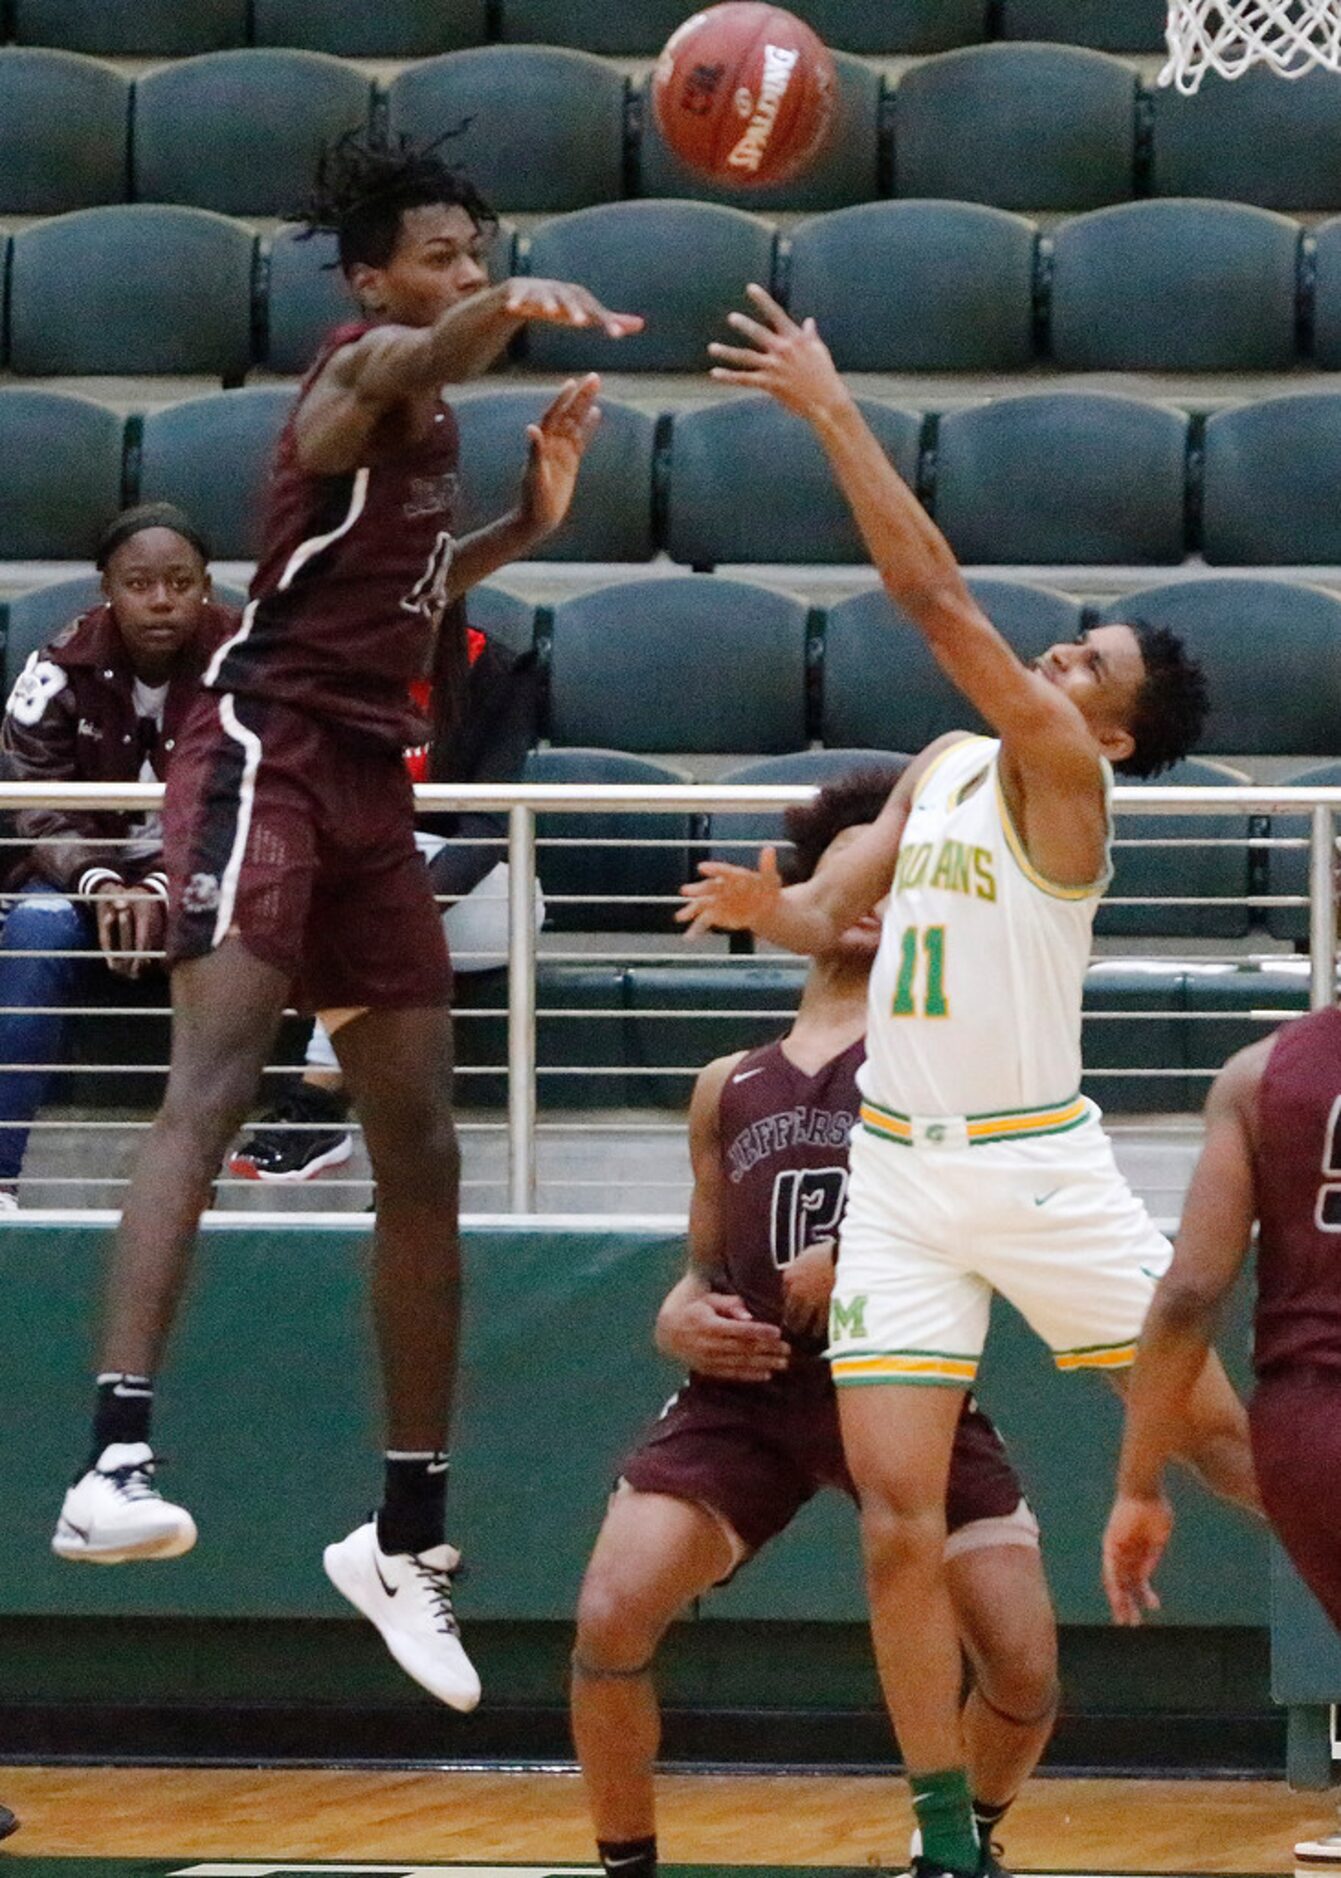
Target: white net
{"points": [[1228, 36]]}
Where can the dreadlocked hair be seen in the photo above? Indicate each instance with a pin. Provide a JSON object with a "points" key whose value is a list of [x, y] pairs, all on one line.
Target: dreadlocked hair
{"points": [[365, 182], [1171, 706], [848, 802]]}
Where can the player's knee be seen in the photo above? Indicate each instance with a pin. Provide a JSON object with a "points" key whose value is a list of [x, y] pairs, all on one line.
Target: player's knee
{"points": [[898, 1537], [614, 1632], [1017, 1677], [206, 1110]]}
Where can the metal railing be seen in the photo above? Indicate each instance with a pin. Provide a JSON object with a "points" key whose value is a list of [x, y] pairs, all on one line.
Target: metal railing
{"points": [[522, 803]]}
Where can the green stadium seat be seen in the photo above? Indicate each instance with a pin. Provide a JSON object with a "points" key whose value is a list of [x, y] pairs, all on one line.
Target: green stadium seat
{"points": [[35, 617], [1132, 1032], [1271, 474], [64, 131], [1062, 476], [918, 286], [1272, 655], [1111, 25], [1020, 126], [62, 459], [308, 296], [211, 456], [158, 29], [602, 862], [1327, 295], [571, 104], [564, 1043], [682, 1016], [846, 170], [1287, 868], [882, 688], [134, 288], [1198, 869], [240, 132], [1235, 1005], [502, 616], [727, 503], [737, 835], [392, 29], [611, 515], [1246, 142], [634, 27], [1175, 286], [684, 663], [683, 265]]}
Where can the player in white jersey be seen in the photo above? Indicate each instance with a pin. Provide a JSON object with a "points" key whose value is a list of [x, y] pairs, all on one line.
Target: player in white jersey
{"points": [[978, 1165]]}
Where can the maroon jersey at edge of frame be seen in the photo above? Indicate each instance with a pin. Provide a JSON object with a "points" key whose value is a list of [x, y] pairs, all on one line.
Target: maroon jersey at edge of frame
{"points": [[1298, 1169], [350, 587], [784, 1146]]}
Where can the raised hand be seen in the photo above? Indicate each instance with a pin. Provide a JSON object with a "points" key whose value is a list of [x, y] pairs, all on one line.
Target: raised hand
{"points": [[561, 303], [790, 362], [730, 897], [1134, 1541], [558, 444]]}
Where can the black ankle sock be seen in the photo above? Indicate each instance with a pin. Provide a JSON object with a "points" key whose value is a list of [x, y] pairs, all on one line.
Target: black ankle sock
{"points": [[413, 1514], [125, 1406], [628, 1858], [322, 1104], [985, 1817]]}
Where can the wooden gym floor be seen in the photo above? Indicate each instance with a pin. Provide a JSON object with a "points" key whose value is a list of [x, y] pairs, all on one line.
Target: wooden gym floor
{"points": [[235, 1816]]}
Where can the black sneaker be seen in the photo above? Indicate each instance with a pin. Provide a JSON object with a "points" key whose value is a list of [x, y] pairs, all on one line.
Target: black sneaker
{"points": [[992, 1850], [8, 1822], [276, 1150]]}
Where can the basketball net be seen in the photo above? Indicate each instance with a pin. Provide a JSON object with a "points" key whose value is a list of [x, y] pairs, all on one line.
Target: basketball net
{"points": [[1291, 37]]}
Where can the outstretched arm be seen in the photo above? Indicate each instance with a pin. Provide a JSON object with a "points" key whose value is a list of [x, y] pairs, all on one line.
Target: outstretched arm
{"points": [[1212, 1244], [1043, 730], [809, 916], [391, 364]]}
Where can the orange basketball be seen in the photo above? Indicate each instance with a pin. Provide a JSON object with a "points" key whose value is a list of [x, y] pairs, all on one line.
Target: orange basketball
{"points": [[745, 93]]}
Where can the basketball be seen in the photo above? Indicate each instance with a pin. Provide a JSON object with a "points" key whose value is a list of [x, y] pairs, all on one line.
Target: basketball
{"points": [[744, 93]]}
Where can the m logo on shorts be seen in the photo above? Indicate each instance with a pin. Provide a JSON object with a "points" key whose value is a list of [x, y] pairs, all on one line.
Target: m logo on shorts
{"points": [[847, 1318]]}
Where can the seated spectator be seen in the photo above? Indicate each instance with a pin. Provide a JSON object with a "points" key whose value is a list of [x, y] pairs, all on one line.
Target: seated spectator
{"points": [[104, 702], [305, 1133]]}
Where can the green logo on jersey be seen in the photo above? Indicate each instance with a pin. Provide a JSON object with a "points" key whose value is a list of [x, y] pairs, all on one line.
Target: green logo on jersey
{"points": [[847, 1318]]}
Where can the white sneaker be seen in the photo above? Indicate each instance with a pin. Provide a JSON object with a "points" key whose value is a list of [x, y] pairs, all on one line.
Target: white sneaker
{"points": [[114, 1512], [9, 1200], [1321, 1851], [408, 1595]]}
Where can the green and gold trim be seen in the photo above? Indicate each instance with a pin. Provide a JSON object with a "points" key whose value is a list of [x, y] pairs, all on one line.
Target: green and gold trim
{"points": [[1002, 1125], [1052, 888], [940, 1369], [1097, 1356]]}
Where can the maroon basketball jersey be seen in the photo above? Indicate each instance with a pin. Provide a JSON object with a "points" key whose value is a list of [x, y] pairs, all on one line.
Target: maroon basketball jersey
{"points": [[350, 587], [1298, 1167], [784, 1139]]}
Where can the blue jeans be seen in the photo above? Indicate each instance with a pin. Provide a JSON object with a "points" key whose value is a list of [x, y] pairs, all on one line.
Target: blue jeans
{"points": [[33, 992]]}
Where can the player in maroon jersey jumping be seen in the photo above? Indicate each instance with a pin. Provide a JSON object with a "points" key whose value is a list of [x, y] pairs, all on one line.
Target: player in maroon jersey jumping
{"points": [[754, 1432], [289, 843], [1272, 1153]]}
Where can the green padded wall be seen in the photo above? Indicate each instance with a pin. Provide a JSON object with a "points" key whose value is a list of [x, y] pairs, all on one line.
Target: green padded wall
{"points": [[267, 1414]]}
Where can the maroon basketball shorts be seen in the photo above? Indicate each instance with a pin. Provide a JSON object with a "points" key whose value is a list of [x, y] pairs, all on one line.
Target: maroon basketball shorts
{"points": [[298, 839], [1295, 1418], [754, 1453]]}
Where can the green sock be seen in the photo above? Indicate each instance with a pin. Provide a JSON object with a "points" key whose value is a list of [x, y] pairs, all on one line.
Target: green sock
{"points": [[945, 1814]]}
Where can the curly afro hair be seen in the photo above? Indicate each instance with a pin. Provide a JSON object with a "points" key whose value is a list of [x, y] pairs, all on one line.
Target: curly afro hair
{"points": [[365, 182], [1171, 706], [849, 802]]}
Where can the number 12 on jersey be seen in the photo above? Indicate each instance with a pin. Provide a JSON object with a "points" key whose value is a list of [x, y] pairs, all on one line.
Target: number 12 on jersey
{"points": [[927, 945]]}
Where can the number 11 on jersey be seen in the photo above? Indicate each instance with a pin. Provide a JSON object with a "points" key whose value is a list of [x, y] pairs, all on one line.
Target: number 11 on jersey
{"points": [[928, 942]]}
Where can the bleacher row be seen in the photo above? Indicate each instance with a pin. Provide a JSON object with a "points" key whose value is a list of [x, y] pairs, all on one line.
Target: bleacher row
{"points": [[1179, 285], [1039, 479], [708, 665], [395, 29], [1054, 128]]}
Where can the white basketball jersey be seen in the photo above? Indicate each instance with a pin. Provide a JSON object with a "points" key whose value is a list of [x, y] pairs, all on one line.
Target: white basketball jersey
{"points": [[975, 995]]}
